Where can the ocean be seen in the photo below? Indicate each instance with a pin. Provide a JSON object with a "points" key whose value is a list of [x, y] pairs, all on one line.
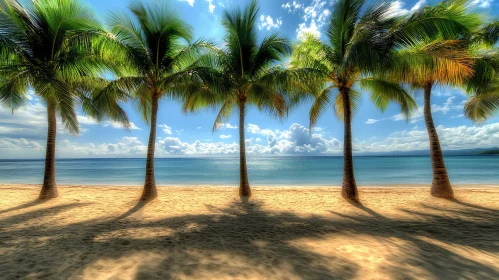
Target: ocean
{"points": [[266, 171]]}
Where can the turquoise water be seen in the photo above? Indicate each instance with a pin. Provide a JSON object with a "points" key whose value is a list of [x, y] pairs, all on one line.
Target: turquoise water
{"points": [[273, 171]]}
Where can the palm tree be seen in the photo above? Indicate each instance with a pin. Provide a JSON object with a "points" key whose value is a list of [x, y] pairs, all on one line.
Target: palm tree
{"points": [[443, 58], [356, 51], [48, 46], [153, 46], [442, 62], [250, 77]]}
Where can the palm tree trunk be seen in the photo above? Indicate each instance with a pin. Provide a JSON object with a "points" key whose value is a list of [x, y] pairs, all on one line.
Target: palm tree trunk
{"points": [[244, 187], [440, 186], [349, 188], [150, 192], [49, 188]]}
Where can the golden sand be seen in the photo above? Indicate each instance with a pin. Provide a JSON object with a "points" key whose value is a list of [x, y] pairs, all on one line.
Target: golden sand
{"points": [[282, 233]]}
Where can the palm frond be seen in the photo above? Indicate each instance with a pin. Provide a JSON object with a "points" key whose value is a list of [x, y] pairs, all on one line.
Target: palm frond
{"points": [[382, 92], [224, 114], [321, 103], [483, 105], [442, 61]]}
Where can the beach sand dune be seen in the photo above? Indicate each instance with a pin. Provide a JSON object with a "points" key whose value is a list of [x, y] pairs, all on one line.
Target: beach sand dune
{"points": [[282, 233]]}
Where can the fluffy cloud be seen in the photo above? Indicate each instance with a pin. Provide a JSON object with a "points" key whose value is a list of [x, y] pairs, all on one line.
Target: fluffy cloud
{"points": [[126, 146], [211, 7], [481, 3], [225, 136], [226, 125], [85, 120], [451, 138], [174, 146], [118, 125], [30, 122], [267, 22], [229, 126], [314, 17], [10, 143], [397, 8], [297, 139], [190, 2], [417, 115], [292, 7], [305, 29], [166, 129]]}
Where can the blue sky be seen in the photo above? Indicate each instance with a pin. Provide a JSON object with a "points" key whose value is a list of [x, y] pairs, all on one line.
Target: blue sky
{"points": [[22, 134]]}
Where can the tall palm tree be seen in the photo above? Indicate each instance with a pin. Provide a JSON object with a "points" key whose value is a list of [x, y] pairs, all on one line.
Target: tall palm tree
{"points": [[436, 62], [442, 57], [250, 76], [48, 46], [355, 52], [154, 48]]}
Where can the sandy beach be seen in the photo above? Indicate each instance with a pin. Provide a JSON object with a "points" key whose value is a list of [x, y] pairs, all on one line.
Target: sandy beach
{"points": [[282, 233]]}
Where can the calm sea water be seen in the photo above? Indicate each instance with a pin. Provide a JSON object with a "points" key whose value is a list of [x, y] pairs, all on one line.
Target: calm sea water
{"points": [[273, 171]]}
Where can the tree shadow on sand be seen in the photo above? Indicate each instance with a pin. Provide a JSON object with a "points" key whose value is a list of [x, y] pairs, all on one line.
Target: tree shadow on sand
{"points": [[23, 206], [195, 245]]}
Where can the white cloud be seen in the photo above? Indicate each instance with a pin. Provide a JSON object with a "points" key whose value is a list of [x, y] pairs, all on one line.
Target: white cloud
{"points": [[397, 8], [451, 138], [225, 136], [211, 6], [371, 121], [86, 120], [30, 122], [304, 30], [418, 114], [114, 124], [314, 17], [418, 5], [267, 22], [126, 146], [292, 7], [481, 3], [11, 143], [190, 2], [226, 125], [229, 126], [166, 129], [294, 140], [174, 146]]}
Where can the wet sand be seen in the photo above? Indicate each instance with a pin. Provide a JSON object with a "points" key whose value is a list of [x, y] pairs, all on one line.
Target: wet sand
{"points": [[282, 233]]}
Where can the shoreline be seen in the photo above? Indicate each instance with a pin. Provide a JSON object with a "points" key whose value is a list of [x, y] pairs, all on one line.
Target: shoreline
{"points": [[271, 187]]}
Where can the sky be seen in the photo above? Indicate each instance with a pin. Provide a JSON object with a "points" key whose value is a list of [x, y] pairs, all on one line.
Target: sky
{"points": [[23, 133]]}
